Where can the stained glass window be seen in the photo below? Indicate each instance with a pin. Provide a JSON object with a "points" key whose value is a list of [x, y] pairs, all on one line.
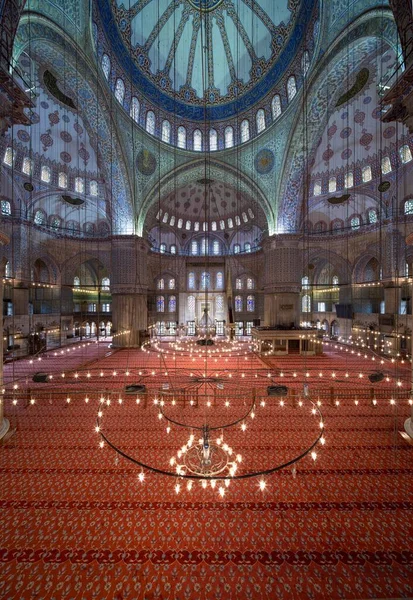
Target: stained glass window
{"points": [[39, 217], [247, 247], [215, 248], [191, 281], [45, 174], [196, 226], [260, 120], [27, 166], [245, 130], [105, 284], [244, 217], [349, 180], [54, 222], [106, 65], [291, 88], [150, 122], [305, 62], [251, 214], [162, 248], [135, 109], [62, 180], [317, 188], [220, 280], [405, 154], [160, 303], [408, 207], [230, 223], [276, 106], [372, 215], [238, 283], [213, 140], [306, 303], [181, 137], [172, 304], [305, 282], [5, 207], [366, 174], [237, 248], [214, 225], [222, 224], [250, 283], [205, 280], [180, 223], [250, 303], [197, 140], [9, 156], [204, 247], [166, 132], [219, 304], [119, 90], [161, 283], [355, 222], [335, 280], [93, 186], [79, 185], [191, 305], [165, 218], [332, 184], [385, 165], [237, 220], [76, 282], [194, 248], [172, 249], [238, 303], [171, 283], [229, 137]]}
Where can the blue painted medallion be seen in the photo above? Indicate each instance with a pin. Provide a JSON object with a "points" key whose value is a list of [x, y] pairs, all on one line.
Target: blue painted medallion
{"points": [[205, 5]]}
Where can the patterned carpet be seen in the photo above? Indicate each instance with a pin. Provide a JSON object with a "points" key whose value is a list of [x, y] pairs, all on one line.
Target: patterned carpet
{"points": [[76, 521]]}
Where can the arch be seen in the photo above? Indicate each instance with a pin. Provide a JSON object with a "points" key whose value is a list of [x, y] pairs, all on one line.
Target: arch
{"points": [[134, 109], [120, 90]]}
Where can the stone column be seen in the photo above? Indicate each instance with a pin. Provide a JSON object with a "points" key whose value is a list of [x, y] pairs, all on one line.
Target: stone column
{"points": [[4, 423], [129, 290], [282, 284]]}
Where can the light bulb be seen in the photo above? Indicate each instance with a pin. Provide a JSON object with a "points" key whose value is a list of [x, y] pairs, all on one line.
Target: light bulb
{"points": [[313, 455], [262, 485]]}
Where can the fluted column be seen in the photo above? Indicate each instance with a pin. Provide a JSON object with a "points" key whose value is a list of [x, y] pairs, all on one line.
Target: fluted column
{"points": [[129, 290], [282, 286], [4, 423]]}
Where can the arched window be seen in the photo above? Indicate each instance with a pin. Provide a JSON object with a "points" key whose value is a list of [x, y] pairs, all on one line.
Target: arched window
{"points": [[172, 221], [335, 280], [238, 303], [204, 246], [197, 140], [79, 185], [9, 156], [366, 175], [181, 137], [305, 62], [237, 220], [229, 137], [191, 306], [319, 227], [237, 248], [93, 187], [105, 284], [73, 227], [306, 303], [250, 283], [55, 222], [150, 122], [62, 180], [194, 248], [276, 107], [372, 216], [291, 88], [196, 226], [332, 184], [317, 188], [213, 140], [5, 208], [408, 207], [219, 304], [76, 282], [251, 214], [45, 174], [250, 303], [119, 90], [222, 224], [162, 248], [349, 180], [216, 250], [161, 284], [40, 217], [172, 304], [171, 283], [166, 132], [213, 225], [134, 109], [230, 223], [220, 280], [89, 228], [191, 281], [27, 166], [385, 165], [7, 269], [244, 217], [238, 283], [247, 247], [405, 154], [172, 249], [305, 282], [355, 222], [245, 130], [165, 218], [260, 120], [204, 226], [106, 65], [160, 304], [205, 280]]}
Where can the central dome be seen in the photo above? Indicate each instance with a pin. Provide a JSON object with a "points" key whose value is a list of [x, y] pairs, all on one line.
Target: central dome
{"points": [[205, 59]]}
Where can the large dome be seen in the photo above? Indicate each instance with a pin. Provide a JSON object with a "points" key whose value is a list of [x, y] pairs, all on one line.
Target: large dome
{"points": [[205, 59]]}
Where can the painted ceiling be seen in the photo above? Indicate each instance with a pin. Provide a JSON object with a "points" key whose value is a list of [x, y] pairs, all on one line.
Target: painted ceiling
{"points": [[161, 45]]}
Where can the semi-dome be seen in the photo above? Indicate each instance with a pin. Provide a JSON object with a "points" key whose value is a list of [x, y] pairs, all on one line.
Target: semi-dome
{"points": [[204, 59]]}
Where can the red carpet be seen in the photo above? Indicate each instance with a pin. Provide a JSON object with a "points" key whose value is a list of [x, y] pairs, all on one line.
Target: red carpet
{"points": [[77, 523]]}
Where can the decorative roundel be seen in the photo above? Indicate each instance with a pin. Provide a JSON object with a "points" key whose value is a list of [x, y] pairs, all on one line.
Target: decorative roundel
{"points": [[146, 162], [205, 5], [23, 135], [264, 161], [66, 157]]}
